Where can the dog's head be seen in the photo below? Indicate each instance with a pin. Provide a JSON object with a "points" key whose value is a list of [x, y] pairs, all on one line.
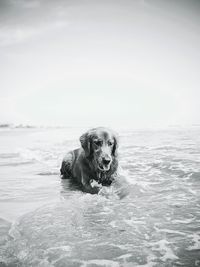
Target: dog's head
{"points": [[100, 146]]}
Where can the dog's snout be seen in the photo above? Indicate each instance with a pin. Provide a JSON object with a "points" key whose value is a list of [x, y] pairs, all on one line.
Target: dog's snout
{"points": [[106, 160]]}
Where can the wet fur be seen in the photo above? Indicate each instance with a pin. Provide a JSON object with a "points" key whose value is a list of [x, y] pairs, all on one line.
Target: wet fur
{"points": [[80, 164]]}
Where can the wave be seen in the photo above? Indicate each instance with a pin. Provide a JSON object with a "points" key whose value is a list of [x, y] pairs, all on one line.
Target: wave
{"points": [[47, 173], [9, 155]]}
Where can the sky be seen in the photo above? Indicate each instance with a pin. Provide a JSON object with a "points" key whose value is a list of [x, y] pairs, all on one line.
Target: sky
{"points": [[129, 63]]}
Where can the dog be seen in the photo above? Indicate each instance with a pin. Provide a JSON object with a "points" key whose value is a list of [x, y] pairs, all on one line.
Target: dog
{"points": [[96, 160]]}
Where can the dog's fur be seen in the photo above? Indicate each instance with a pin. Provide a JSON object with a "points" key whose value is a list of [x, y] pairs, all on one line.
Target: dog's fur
{"points": [[95, 160]]}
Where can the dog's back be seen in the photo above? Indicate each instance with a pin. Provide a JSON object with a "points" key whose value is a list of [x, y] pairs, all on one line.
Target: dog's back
{"points": [[68, 163]]}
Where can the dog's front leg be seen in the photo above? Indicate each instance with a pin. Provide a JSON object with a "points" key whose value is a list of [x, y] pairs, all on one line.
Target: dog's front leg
{"points": [[89, 186]]}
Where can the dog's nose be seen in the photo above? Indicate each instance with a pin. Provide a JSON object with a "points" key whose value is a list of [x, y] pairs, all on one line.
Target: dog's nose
{"points": [[106, 161]]}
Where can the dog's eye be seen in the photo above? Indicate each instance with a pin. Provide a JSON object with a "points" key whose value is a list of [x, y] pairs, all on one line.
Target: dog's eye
{"points": [[110, 143], [98, 143]]}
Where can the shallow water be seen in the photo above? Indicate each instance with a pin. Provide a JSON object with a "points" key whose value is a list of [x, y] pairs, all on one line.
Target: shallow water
{"points": [[44, 221]]}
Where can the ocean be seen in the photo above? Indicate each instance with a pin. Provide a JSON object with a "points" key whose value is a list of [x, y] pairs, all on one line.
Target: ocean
{"points": [[45, 221]]}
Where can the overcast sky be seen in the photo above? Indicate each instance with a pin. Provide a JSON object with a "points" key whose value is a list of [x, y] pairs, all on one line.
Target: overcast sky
{"points": [[100, 62]]}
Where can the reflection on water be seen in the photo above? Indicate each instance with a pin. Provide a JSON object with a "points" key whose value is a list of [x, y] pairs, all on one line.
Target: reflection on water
{"points": [[46, 221]]}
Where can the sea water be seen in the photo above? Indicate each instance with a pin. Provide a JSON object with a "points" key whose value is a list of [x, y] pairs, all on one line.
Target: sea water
{"points": [[46, 221]]}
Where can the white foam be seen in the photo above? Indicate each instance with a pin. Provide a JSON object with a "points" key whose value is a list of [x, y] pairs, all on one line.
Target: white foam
{"points": [[169, 255], [125, 256], [113, 224], [30, 154], [107, 263], [63, 248], [149, 261], [14, 232], [162, 247], [128, 247], [196, 241], [22, 254], [186, 221], [130, 222], [192, 191], [170, 231]]}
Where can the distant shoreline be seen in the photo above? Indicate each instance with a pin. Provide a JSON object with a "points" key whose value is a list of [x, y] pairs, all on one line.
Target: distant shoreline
{"points": [[5, 126], [27, 126]]}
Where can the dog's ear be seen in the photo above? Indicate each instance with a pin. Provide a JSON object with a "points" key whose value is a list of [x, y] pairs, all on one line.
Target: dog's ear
{"points": [[115, 146], [86, 143]]}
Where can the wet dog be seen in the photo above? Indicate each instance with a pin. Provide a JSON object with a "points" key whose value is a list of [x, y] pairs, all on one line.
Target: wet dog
{"points": [[96, 160]]}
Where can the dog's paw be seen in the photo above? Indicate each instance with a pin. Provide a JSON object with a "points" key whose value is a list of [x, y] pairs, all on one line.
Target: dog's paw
{"points": [[94, 183]]}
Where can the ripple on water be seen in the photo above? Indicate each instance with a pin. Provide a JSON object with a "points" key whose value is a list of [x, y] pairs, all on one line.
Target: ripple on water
{"points": [[157, 224]]}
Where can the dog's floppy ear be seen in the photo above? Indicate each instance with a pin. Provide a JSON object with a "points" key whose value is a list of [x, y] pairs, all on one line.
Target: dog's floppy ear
{"points": [[86, 143], [115, 147]]}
